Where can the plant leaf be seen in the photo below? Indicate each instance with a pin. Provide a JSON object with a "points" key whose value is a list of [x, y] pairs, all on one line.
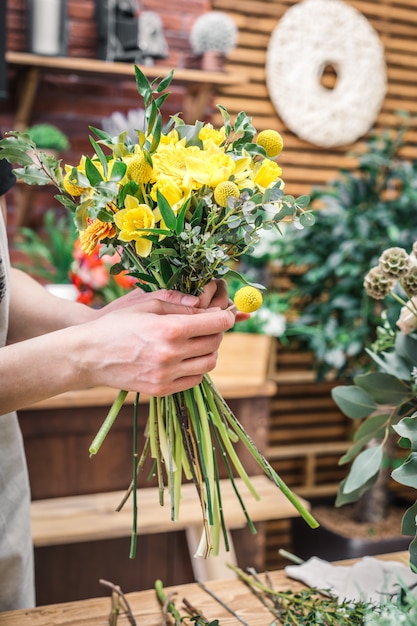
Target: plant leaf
{"points": [[383, 388], [166, 211], [364, 467], [407, 429], [347, 498], [353, 401], [406, 474], [409, 525]]}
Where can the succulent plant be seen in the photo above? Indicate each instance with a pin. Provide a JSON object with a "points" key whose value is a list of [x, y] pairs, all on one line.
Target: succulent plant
{"points": [[215, 31]]}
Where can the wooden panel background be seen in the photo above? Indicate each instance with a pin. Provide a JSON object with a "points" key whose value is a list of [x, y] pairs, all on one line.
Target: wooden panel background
{"points": [[304, 164]]}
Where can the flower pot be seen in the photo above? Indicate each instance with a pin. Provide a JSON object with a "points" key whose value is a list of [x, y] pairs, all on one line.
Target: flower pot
{"points": [[331, 545]]}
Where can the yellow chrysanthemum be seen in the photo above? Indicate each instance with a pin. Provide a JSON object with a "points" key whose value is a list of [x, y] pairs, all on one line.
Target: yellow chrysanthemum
{"points": [[272, 141], [138, 168], [133, 221], [225, 190], [95, 232], [248, 299], [210, 134], [210, 167], [169, 161], [169, 138], [266, 173]]}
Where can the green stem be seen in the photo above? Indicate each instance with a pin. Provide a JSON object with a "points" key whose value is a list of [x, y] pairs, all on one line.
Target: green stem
{"points": [[108, 423], [135, 479], [261, 460]]}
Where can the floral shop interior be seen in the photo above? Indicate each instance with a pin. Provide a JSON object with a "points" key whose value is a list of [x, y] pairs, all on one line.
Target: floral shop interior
{"points": [[271, 146]]}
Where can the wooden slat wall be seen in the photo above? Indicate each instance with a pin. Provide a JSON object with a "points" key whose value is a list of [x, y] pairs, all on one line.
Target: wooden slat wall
{"points": [[306, 165]]}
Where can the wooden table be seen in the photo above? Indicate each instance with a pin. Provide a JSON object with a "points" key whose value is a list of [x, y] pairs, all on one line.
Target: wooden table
{"points": [[146, 609]]}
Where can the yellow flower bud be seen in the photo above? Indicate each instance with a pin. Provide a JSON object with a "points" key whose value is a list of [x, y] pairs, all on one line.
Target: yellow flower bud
{"points": [[225, 190], [248, 299], [138, 169], [272, 141]]}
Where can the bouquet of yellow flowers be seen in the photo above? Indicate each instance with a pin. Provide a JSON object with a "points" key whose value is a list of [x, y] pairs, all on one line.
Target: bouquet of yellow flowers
{"points": [[179, 207]]}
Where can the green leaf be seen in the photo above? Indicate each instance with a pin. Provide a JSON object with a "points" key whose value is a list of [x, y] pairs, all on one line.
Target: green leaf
{"points": [[32, 175], [181, 217], [143, 84], [406, 474], [354, 450], [409, 525], [307, 219], [407, 429], [353, 401], [226, 119], [157, 130], [382, 387], [101, 156], [372, 426], [302, 201], [346, 498], [16, 155], [364, 467], [118, 171], [93, 174], [165, 82], [167, 213], [413, 553]]}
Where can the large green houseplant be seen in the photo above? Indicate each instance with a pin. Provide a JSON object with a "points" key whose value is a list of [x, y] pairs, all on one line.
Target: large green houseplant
{"points": [[384, 402], [359, 213]]}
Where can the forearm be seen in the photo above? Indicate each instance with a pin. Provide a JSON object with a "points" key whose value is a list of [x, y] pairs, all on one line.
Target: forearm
{"points": [[34, 311], [39, 368]]}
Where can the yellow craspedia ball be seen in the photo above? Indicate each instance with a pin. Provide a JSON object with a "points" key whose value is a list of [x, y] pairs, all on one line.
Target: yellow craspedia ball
{"points": [[138, 169], [70, 187], [272, 141], [248, 299], [225, 190]]}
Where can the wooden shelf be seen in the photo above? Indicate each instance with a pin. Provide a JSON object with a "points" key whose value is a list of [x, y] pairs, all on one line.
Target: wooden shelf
{"points": [[200, 85]]}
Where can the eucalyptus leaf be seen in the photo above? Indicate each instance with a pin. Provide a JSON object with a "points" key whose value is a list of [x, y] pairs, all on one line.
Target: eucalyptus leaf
{"points": [[383, 388], [353, 401], [407, 429], [409, 524], [343, 498], [365, 466], [406, 474]]}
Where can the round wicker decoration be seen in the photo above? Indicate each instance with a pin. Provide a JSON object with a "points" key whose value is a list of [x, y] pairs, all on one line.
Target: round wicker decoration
{"points": [[309, 37]]}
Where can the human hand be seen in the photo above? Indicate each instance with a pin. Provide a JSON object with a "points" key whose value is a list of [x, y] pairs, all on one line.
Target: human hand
{"points": [[154, 353]]}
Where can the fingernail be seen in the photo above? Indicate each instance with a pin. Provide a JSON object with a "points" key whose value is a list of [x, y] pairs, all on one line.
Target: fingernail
{"points": [[188, 300]]}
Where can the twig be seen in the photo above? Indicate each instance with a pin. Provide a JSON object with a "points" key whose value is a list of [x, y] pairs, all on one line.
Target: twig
{"points": [[223, 604], [117, 594]]}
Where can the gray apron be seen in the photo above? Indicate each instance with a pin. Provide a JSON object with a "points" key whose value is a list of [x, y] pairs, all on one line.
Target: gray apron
{"points": [[16, 551]]}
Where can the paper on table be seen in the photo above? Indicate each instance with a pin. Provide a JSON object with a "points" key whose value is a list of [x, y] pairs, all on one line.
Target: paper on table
{"points": [[368, 579]]}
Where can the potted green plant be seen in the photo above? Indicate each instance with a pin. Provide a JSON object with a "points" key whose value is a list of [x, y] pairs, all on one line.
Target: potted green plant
{"points": [[384, 402], [48, 137], [359, 213], [48, 255]]}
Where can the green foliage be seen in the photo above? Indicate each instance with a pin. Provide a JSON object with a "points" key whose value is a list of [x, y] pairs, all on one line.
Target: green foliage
{"points": [[48, 137], [358, 215], [49, 255], [387, 403]]}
